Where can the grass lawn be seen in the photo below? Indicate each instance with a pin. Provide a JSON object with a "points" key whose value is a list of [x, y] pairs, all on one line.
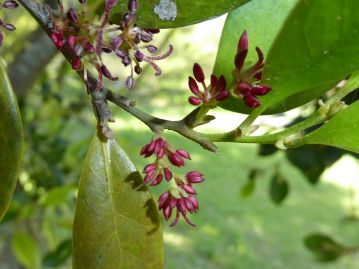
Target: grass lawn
{"points": [[252, 233]]}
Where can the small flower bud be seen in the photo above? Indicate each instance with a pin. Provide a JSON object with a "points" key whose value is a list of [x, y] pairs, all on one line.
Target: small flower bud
{"points": [[132, 6], [261, 89], [194, 100], [72, 15], [151, 48], [71, 40], [9, 27], [138, 69], [184, 154], [89, 48], [76, 63], [116, 42], [193, 86], [251, 101], [223, 95], [139, 55], [198, 73], [130, 82], [10, 4], [176, 159], [168, 174]]}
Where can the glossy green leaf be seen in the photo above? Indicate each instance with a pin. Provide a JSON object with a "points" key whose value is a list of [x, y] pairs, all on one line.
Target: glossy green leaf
{"points": [[26, 250], [116, 223], [10, 141], [279, 189], [324, 247], [175, 13], [341, 131], [312, 52], [262, 19]]}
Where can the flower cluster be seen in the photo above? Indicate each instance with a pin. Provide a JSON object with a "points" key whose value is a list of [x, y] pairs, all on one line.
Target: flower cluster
{"points": [[86, 39], [216, 91], [8, 4], [180, 194], [247, 82]]}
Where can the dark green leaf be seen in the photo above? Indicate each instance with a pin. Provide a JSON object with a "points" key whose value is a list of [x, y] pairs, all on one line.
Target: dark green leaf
{"points": [[279, 189], [186, 12], [262, 19], [10, 141], [313, 160], [59, 255], [248, 188], [116, 223], [341, 131], [25, 250], [311, 54], [325, 248]]}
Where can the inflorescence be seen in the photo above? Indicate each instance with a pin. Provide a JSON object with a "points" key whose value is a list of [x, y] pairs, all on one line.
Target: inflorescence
{"points": [[88, 39], [7, 4], [181, 194]]}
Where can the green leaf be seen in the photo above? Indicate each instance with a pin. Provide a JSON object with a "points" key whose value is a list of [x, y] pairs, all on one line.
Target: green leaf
{"points": [[186, 12], [57, 196], [341, 131], [325, 248], [10, 142], [308, 58], [59, 256], [116, 223], [26, 251], [262, 19], [279, 189], [248, 188]]}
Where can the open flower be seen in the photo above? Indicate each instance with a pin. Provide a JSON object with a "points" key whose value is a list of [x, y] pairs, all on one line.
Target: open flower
{"points": [[247, 81]]}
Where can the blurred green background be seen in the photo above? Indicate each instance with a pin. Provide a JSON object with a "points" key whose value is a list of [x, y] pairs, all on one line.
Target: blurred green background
{"points": [[233, 232]]}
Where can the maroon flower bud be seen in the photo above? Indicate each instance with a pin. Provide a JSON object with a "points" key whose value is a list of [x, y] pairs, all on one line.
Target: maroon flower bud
{"points": [[221, 84], [163, 200], [167, 212], [71, 40], [243, 88], [150, 175], [188, 189], [194, 177], [184, 154], [194, 100], [57, 38], [168, 174], [157, 180], [251, 101], [149, 168], [261, 89], [193, 86], [198, 73], [72, 15], [223, 95], [89, 48], [130, 82], [76, 63], [243, 42], [10, 4], [214, 81], [176, 159]]}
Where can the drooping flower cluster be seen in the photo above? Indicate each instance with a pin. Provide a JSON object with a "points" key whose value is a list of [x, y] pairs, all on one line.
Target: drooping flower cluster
{"points": [[216, 91], [247, 82], [180, 194], [7, 4], [86, 39]]}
